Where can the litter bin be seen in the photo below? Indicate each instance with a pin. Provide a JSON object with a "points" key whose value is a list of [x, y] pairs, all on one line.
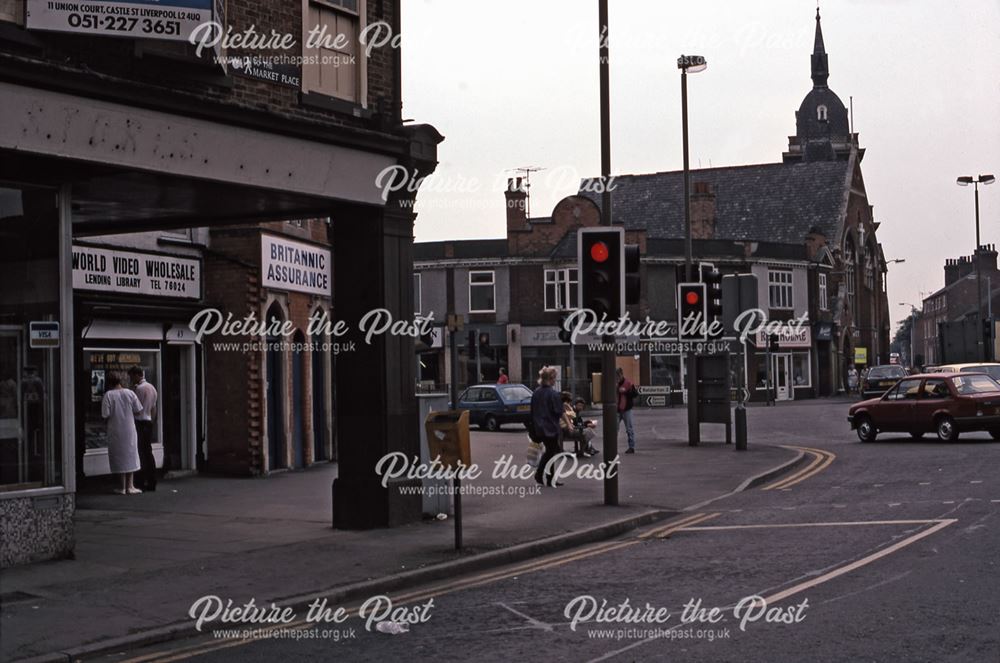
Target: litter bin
{"points": [[448, 437]]}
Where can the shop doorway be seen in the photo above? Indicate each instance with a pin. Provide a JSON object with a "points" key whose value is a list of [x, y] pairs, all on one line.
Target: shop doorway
{"points": [[177, 408], [319, 403], [298, 405], [274, 365], [782, 369]]}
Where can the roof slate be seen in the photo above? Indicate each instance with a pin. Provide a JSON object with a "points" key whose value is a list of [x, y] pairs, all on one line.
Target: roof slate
{"points": [[777, 202]]}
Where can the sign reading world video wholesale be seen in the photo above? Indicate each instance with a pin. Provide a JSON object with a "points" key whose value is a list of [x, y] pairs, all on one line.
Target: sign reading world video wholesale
{"points": [[297, 266], [133, 272], [173, 20]]}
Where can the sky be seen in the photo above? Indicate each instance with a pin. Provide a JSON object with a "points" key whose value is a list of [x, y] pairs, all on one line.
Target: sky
{"points": [[514, 84]]}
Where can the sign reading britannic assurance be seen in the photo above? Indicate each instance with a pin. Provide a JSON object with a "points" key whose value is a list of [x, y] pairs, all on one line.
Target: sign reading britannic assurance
{"points": [[172, 20], [296, 266], [133, 272]]}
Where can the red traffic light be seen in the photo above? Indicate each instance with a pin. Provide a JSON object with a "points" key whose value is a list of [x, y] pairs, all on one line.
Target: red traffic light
{"points": [[599, 252], [691, 297]]}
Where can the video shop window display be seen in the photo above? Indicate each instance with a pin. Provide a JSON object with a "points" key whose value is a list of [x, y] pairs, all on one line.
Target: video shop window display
{"points": [[97, 363], [30, 399]]}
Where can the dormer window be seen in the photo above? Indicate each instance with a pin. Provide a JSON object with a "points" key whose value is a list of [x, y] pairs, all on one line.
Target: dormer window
{"points": [[821, 113]]}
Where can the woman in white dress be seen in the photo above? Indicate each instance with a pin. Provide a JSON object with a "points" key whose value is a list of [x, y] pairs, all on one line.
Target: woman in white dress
{"points": [[119, 407]]}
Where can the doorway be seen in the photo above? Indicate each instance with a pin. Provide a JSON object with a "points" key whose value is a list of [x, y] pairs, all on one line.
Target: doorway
{"points": [[298, 404], [782, 376], [177, 405], [275, 390]]}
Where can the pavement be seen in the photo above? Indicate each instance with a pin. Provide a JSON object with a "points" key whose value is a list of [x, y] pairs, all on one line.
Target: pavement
{"points": [[141, 561]]}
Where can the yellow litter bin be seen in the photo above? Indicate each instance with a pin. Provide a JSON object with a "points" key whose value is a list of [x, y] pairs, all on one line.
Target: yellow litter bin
{"points": [[448, 437]]}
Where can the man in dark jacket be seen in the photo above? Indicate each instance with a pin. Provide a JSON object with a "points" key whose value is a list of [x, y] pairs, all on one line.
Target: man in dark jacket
{"points": [[626, 399], [546, 410]]}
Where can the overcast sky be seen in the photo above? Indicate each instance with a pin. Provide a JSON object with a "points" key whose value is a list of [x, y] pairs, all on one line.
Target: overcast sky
{"points": [[515, 83]]}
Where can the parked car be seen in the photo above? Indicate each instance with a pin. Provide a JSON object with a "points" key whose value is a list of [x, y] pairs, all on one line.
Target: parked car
{"points": [[991, 369], [493, 405], [878, 379], [943, 403]]}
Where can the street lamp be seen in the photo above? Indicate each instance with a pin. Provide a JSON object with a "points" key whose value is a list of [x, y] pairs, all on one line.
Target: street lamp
{"points": [[694, 64], [966, 180]]}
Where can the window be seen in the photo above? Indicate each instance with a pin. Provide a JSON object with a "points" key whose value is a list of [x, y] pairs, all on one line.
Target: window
{"points": [[869, 271], [849, 273], [801, 376], [666, 371], [417, 304], [561, 289], [779, 288], [330, 43], [482, 292], [905, 390], [824, 303], [821, 113], [12, 10], [935, 389]]}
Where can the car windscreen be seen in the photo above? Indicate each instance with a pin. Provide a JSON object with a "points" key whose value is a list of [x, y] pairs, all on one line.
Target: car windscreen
{"points": [[975, 384], [514, 392], [883, 372], [992, 371]]}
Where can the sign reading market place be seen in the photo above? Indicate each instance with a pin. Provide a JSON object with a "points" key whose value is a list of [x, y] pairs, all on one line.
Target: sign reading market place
{"points": [[135, 272], [295, 266], [172, 20]]}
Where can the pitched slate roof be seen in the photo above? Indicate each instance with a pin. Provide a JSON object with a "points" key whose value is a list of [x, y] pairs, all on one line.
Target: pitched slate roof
{"points": [[776, 202]]}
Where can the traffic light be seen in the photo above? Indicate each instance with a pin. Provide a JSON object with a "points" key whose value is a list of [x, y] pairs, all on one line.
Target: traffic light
{"points": [[691, 311], [712, 279], [601, 262], [633, 287], [565, 335]]}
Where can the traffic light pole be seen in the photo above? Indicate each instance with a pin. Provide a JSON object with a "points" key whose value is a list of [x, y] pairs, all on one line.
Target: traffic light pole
{"points": [[609, 387], [688, 273]]}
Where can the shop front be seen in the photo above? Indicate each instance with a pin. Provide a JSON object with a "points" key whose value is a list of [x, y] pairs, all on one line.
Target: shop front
{"points": [[132, 309]]}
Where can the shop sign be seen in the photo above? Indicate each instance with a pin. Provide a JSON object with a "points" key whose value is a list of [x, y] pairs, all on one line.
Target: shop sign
{"points": [[295, 266], [264, 69], [170, 20], [860, 355], [43, 334], [789, 336], [824, 331], [134, 272]]}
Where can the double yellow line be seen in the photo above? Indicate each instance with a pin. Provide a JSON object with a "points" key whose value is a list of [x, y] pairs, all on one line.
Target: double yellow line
{"points": [[449, 587], [820, 461]]}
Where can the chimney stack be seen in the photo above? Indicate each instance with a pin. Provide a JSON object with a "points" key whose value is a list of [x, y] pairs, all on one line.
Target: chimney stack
{"points": [[702, 211], [517, 205]]}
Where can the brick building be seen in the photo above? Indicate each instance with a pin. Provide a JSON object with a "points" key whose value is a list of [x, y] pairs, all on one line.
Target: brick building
{"points": [[147, 133], [944, 327], [804, 226]]}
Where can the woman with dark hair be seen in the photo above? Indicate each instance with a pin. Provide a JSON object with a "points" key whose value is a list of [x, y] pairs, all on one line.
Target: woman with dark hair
{"points": [[119, 407], [546, 413]]}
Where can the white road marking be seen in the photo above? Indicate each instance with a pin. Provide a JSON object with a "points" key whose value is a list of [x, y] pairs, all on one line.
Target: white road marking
{"points": [[877, 485], [532, 622], [839, 506], [895, 503], [924, 483], [948, 502], [977, 481], [995, 501], [850, 523]]}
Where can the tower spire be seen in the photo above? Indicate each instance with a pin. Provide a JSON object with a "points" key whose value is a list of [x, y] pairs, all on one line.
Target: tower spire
{"points": [[820, 66]]}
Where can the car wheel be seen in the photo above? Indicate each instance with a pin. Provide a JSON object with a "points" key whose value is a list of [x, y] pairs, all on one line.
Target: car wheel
{"points": [[945, 428], [491, 424], [866, 429], [917, 436]]}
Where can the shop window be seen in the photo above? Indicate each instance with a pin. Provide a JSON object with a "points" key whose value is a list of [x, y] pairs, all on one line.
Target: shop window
{"points": [[417, 304], [482, 292], [12, 11], [666, 371], [801, 370], [31, 451], [333, 66], [561, 292], [779, 288]]}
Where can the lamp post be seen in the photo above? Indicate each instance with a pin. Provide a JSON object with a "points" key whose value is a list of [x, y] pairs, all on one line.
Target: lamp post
{"points": [[966, 180], [885, 289], [694, 64]]}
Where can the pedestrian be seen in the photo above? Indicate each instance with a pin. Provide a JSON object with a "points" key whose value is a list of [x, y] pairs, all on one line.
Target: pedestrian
{"points": [[568, 425], [144, 427], [546, 411], [852, 380], [503, 377], [585, 427], [626, 399], [118, 408]]}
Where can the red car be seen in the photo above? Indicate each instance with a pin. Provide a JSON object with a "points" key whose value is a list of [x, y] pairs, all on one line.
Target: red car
{"points": [[945, 403]]}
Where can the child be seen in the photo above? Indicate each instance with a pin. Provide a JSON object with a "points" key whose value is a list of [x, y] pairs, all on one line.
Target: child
{"points": [[584, 427]]}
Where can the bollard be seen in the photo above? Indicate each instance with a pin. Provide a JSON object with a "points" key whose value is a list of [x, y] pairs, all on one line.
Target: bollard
{"points": [[741, 427]]}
